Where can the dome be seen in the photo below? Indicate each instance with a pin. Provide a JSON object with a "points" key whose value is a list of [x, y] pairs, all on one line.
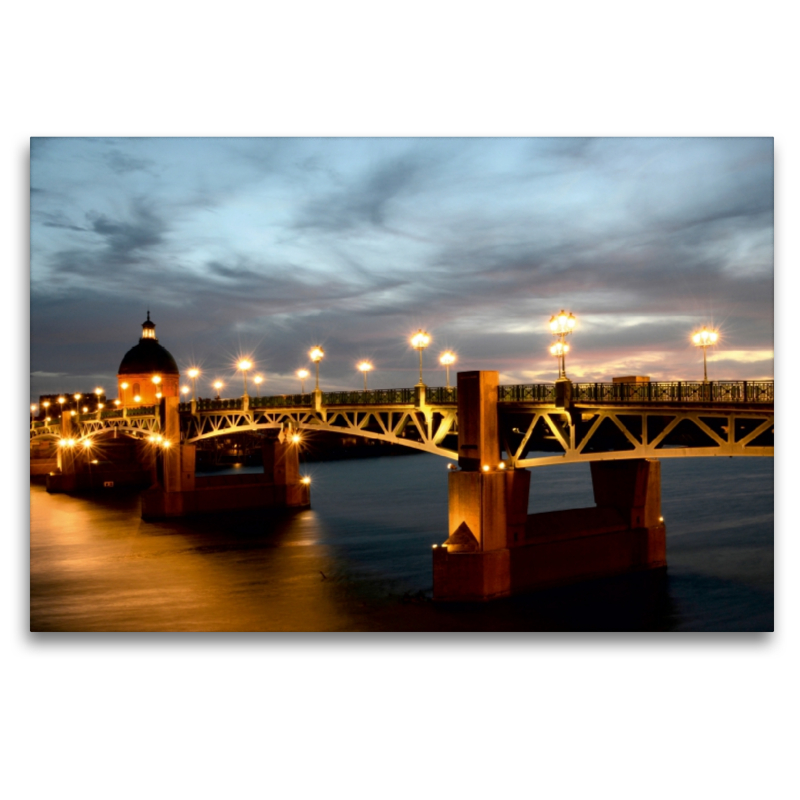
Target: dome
{"points": [[148, 356]]}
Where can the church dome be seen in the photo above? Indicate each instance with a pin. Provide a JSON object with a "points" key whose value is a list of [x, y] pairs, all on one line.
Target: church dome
{"points": [[148, 356]]}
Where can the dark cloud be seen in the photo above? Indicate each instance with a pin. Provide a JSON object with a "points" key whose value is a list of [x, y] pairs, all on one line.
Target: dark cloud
{"points": [[271, 246]]}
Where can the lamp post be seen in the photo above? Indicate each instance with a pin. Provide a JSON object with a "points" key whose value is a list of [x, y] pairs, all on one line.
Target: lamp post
{"points": [[244, 365], [302, 374], [98, 393], [61, 401], [77, 397], [705, 338], [218, 385], [316, 354], [365, 367], [258, 380], [419, 341], [193, 373], [561, 326], [33, 412], [446, 359], [46, 406]]}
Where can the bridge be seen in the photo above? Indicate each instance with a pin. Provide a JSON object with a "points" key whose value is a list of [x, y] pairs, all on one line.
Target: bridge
{"points": [[492, 433], [599, 421]]}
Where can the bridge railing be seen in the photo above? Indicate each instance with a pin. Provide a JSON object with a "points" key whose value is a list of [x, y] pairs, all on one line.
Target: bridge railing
{"points": [[370, 397], [544, 393], [527, 393], [652, 392]]}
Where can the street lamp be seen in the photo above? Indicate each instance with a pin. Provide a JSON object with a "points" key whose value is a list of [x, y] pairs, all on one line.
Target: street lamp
{"points": [[61, 401], [218, 385], [33, 411], [561, 326], [77, 397], [185, 390], [302, 374], [244, 365], [419, 341], [258, 380], [193, 373], [446, 359], [705, 338], [316, 354], [365, 367]]}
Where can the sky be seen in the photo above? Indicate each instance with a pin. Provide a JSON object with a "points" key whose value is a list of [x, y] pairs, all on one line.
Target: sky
{"points": [[265, 247]]}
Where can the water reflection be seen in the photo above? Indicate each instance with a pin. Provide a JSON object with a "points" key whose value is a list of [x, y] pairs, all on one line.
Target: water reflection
{"points": [[360, 559]]}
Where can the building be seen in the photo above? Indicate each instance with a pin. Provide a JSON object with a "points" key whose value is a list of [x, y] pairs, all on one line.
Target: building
{"points": [[148, 371]]}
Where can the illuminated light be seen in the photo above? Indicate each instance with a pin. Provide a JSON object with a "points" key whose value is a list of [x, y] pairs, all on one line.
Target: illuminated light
{"points": [[61, 400], [87, 443], [661, 519], [485, 467], [166, 444], [316, 354], [117, 402], [47, 419], [258, 380], [435, 546], [704, 338], [305, 480], [193, 372], [159, 437], [152, 438], [451, 466], [77, 396], [70, 443], [85, 409], [124, 385], [158, 395], [244, 364], [447, 358], [365, 367], [303, 373], [559, 349], [98, 390], [73, 413], [237, 465], [420, 340], [33, 408], [62, 442], [137, 399], [95, 461], [501, 465], [156, 379], [296, 438], [185, 390], [100, 406]]}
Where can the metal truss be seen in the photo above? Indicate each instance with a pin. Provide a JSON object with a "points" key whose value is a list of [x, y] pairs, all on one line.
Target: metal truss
{"points": [[610, 434], [421, 429], [140, 425], [532, 433]]}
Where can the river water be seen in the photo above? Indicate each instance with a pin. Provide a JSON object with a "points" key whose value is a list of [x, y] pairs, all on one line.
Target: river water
{"points": [[360, 558]]}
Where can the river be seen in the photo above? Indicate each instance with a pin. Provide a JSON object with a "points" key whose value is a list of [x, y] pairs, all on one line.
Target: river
{"points": [[360, 558]]}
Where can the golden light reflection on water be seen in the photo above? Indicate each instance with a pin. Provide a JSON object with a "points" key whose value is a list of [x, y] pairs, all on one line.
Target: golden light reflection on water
{"points": [[96, 566]]}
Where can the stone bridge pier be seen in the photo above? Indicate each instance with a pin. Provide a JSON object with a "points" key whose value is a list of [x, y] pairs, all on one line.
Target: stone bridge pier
{"points": [[180, 492], [495, 548]]}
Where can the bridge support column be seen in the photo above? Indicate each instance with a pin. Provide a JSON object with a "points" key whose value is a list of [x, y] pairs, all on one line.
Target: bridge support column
{"points": [[181, 493], [495, 548], [65, 477]]}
